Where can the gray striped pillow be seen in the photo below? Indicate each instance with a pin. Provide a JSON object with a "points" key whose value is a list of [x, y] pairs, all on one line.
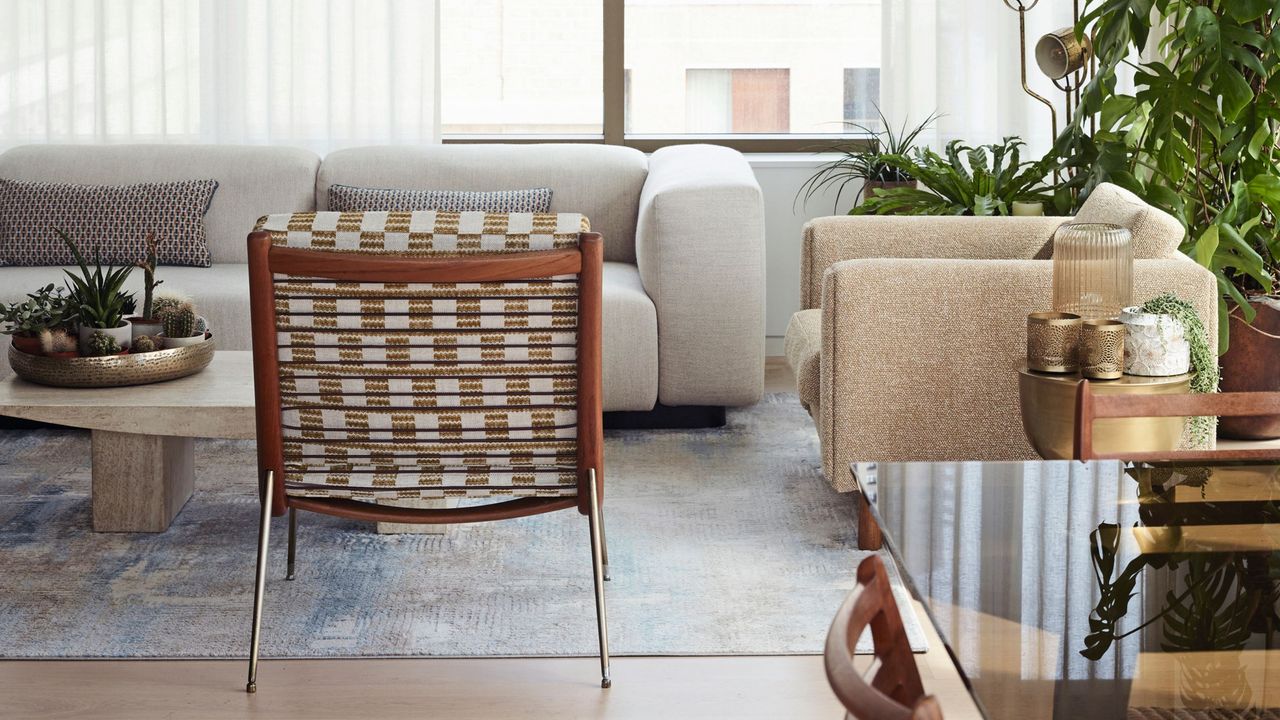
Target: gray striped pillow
{"points": [[346, 198]]}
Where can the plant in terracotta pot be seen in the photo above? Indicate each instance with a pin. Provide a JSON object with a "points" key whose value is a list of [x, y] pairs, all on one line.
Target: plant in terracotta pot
{"points": [[149, 322], [1197, 138], [48, 308], [863, 161], [97, 294], [59, 343]]}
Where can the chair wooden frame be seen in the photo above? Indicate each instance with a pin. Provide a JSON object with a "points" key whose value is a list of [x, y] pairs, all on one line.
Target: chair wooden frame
{"points": [[1091, 407], [896, 691], [585, 261]]}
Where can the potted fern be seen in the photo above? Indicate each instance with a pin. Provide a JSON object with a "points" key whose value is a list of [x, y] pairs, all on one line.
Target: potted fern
{"points": [[99, 298], [864, 161]]}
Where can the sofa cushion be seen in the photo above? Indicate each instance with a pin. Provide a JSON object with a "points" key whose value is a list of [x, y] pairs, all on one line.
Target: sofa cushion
{"points": [[599, 181], [346, 198], [252, 180], [108, 222], [803, 349], [1156, 233]]}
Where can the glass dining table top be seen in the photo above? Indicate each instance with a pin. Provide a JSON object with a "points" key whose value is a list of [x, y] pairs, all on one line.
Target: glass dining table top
{"points": [[1095, 590]]}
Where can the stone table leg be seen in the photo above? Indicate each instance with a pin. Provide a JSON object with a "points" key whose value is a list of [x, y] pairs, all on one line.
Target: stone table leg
{"points": [[140, 482]]}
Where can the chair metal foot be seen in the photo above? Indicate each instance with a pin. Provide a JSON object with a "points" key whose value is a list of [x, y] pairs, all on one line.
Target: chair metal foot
{"points": [[598, 576], [293, 541], [260, 583]]}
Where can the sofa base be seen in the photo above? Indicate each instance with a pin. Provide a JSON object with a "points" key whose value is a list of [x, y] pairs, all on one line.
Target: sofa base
{"points": [[667, 417]]}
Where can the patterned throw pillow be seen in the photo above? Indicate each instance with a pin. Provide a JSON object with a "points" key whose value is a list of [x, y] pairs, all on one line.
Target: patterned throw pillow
{"points": [[112, 220], [345, 198]]}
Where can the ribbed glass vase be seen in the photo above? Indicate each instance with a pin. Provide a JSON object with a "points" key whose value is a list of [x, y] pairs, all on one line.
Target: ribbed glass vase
{"points": [[1092, 269]]}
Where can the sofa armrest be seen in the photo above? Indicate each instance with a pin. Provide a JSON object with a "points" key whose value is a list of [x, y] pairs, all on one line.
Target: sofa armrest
{"points": [[700, 250], [830, 240], [920, 358]]}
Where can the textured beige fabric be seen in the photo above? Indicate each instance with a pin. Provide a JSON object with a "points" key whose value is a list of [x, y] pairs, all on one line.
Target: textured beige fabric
{"points": [[599, 181], [920, 356], [252, 181], [700, 250], [831, 239], [1156, 233], [803, 349]]}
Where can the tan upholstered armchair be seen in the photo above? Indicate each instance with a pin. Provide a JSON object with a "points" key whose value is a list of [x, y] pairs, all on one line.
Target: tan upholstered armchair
{"points": [[912, 329]]}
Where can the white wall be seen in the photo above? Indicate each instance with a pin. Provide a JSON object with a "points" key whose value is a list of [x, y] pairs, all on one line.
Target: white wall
{"points": [[780, 178]]}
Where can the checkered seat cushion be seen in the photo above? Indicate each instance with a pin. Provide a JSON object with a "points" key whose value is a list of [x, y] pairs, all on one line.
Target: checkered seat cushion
{"points": [[427, 390]]}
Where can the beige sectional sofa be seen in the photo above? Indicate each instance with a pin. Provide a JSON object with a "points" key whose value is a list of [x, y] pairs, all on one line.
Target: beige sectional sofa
{"points": [[683, 231], [913, 328]]}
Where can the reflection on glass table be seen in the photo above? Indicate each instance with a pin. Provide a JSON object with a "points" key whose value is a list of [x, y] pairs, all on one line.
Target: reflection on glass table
{"points": [[1098, 590]]}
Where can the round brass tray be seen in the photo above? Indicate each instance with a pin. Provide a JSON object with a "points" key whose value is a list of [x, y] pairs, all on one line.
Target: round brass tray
{"points": [[113, 370]]}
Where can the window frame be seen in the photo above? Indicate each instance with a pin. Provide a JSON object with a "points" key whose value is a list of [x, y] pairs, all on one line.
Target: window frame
{"points": [[614, 114]]}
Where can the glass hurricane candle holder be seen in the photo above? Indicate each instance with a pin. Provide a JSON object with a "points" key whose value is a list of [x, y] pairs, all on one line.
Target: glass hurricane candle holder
{"points": [[1092, 269]]}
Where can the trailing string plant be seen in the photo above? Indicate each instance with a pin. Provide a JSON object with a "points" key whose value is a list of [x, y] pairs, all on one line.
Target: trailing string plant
{"points": [[863, 161], [981, 180], [1204, 363], [149, 283], [1198, 136], [97, 293]]}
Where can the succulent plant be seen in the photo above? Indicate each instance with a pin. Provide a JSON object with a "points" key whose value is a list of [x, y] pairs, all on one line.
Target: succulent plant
{"points": [[143, 344], [97, 292], [56, 340], [180, 322], [149, 272], [164, 303], [45, 309], [101, 344]]}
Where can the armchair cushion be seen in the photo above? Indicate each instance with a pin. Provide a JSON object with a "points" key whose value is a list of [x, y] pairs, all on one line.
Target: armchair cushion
{"points": [[804, 352], [1156, 233]]}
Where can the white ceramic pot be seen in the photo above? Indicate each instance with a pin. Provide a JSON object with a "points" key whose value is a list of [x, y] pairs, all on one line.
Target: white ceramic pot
{"points": [[1154, 345], [168, 342], [146, 327], [122, 334]]}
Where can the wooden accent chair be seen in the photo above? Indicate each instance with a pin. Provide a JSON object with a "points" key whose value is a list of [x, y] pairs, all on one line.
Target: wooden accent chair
{"points": [[1091, 407], [427, 355], [895, 692]]}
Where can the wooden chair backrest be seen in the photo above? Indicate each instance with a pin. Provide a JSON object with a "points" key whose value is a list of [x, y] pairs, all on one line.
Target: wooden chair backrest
{"points": [[895, 691], [267, 260], [1091, 406]]}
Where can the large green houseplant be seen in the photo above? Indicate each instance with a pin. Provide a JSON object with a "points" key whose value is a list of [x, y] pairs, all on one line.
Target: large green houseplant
{"points": [[1198, 139], [1197, 136]]}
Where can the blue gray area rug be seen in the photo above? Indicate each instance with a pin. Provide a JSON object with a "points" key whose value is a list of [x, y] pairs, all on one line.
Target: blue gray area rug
{"points": [[722, 541]]}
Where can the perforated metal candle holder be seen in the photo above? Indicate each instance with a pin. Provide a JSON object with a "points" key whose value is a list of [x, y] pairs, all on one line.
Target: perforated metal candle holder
{"points": [[1102, 349], [1052, 342]]}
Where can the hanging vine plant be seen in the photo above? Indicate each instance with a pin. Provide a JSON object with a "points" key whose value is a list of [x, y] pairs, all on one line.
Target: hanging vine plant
{"points": [[1204, 362]]}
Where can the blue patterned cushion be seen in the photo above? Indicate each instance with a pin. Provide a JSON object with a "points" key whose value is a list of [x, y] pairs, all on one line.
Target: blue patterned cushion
{"points": [[106, 221], [345, 198]]}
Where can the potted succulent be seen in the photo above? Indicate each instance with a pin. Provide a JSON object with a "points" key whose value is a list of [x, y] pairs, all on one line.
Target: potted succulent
{"points": [[181, 327], [48, 308], [59, 343], [101, 305], [148, 323], [144, 344], [100, 343]]}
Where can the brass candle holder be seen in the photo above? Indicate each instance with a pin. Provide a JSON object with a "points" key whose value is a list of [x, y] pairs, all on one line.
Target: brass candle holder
{"points": [[1052, 342], [1102, 349]]}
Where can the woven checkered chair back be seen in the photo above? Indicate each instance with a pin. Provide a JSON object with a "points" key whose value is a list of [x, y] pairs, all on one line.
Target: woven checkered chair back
{"points": [[426, 389]]}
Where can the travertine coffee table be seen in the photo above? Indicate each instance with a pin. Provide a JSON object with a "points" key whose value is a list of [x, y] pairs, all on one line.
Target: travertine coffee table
{"points": [[143, 464]]}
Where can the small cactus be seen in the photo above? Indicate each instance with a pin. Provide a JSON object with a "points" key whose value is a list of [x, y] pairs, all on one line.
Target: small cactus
{"points": [[165, 303], [101, 344], [144, 344], [56, 341], [180, 322]]}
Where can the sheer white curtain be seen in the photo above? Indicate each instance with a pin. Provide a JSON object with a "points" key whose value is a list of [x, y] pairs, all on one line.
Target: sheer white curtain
{"points": [[315, 73], [960, 58]]}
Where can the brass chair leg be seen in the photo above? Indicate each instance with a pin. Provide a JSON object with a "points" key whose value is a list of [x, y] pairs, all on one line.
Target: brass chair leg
{"points": [[260, 584], [597, 566], [604, 547], [293, 541]]}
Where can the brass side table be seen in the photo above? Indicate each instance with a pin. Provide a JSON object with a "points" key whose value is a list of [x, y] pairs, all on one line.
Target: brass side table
{"points": [[1048, 403]]}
